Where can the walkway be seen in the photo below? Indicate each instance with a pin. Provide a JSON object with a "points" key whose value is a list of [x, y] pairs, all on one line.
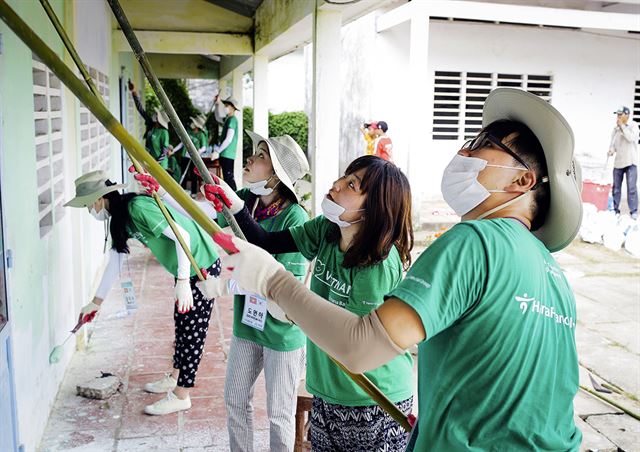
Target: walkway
{"points": [[138, 349]]}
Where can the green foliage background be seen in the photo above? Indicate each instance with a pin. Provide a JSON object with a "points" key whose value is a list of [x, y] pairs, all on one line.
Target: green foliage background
{"points": [[293, 123], [179, 96]]}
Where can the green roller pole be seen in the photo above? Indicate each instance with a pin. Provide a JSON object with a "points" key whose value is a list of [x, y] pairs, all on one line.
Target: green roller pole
{"points": [[138, 51], [135, 150], [96, 107], [89, 81]]}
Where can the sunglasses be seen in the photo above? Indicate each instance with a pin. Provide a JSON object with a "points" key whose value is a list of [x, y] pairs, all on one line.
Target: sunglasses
{"points": [[484, 140]]}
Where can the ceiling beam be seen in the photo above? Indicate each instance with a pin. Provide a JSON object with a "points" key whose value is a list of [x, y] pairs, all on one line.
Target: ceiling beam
{"points": [[533, 15], [176, 42], [184, 66]]}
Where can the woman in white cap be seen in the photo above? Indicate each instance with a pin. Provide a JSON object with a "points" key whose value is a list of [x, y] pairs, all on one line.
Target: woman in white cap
{"points": [[490, 309], [138, 216], [157, 140], [200, 140], [360, 244], [225, 113], [261, 341]]}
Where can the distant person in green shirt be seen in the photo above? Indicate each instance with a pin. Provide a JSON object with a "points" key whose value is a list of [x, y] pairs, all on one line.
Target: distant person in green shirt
{"points": [[139, 217], [360, 245], [224, 112], [261, 341], [157, 141], [489, 307], [200, 140]]}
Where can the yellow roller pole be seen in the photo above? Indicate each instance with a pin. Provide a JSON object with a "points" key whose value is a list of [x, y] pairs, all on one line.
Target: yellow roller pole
{"points": [[102, 114], [138, 51], [136, 151], [87, 78]]}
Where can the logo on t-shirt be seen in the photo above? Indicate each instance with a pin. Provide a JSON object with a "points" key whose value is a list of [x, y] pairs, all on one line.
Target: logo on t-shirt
{"points": [[533, 306], [326, 277]]}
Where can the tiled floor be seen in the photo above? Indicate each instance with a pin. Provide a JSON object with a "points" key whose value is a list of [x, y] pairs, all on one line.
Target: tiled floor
{"points": [[138, 349]]}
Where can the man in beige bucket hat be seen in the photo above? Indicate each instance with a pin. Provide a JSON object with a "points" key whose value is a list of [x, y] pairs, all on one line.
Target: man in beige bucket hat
{"points": [[489, 307]]}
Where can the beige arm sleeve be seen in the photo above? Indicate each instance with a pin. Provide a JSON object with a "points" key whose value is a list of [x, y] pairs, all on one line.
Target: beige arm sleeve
{"points": [[359, 343]]}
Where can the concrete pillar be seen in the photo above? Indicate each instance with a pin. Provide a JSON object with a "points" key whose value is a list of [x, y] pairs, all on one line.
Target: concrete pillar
{"points": [[324, 123], [236, 82], [222, 88], [420, 98], [260, 95]]}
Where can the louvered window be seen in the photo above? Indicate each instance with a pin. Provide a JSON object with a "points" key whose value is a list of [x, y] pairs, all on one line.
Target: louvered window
{"points": [[48, 121], [459, 97], [95, 140]]}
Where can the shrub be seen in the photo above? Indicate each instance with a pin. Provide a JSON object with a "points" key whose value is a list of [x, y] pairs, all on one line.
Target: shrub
{"points": [[294, 123], [179, 97]]}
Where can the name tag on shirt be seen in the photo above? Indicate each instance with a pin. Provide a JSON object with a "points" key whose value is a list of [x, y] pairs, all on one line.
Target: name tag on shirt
{"points": [[254, 313]]}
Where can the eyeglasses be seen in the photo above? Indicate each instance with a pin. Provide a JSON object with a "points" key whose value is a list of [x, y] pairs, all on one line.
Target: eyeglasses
{"points": [[484, 140]]}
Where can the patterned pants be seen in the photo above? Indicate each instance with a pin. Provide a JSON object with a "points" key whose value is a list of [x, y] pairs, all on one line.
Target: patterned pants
{"points": [[191, 331], [336, 428]]}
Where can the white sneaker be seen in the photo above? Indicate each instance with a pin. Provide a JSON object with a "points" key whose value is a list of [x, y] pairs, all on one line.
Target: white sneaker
{"points": [[165, 384], [170, 404]]}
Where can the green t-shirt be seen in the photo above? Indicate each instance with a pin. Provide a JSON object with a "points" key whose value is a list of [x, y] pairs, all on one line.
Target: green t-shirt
{"points": [[499, 368], [359, 290], [277, 335], [158, 141], [230, 151], [147, 224], [199, 139]]}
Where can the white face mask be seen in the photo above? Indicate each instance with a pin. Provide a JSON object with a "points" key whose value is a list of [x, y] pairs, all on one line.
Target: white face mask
{"points": [[260, 188], [332, 212], [100, 216], [460, 187]]}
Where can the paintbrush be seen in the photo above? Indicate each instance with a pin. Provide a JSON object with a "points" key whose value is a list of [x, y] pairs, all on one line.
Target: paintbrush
{"points": [[56, 353]]}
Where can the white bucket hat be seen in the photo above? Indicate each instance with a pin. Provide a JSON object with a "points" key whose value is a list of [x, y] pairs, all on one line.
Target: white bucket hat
{"points": [[197, 121], [233, 102], [288, 160], [556, 137], [90, 187], [163, 118]]}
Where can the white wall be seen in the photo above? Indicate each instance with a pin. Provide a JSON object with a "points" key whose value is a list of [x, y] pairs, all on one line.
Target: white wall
{"points": [[287, 83], [592, 74]]}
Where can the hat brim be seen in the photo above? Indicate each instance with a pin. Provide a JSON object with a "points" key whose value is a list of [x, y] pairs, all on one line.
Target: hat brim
{"points": [[277, 166], [556, 137], [87, 200], [226, 102]]}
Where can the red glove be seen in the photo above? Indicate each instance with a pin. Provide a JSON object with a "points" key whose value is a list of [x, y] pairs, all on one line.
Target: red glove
{"points": [[147, 181], [214, 194]]}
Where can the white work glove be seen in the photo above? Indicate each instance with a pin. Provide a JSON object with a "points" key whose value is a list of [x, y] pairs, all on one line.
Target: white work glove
{"points": [[215, 155], [251, 267], [89, 311], [213, 287], [184, 296], [232, 201]]}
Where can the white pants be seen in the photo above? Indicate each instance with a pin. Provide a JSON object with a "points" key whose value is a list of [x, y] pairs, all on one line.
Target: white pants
{"points": [[282, 375]]}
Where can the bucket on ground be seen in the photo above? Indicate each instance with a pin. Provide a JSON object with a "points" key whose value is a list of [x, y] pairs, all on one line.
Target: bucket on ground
{"points": [[596, 194]]}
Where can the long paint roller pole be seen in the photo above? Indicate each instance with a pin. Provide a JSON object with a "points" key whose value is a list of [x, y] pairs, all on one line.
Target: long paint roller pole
{"points": [[102, 114], [131, 145], [138, 51], [120, 16], [87, 78]]}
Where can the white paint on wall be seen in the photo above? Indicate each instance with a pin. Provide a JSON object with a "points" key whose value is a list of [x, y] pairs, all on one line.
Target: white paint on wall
{"points": [[93, 33], [593, 73], [287, 83]]}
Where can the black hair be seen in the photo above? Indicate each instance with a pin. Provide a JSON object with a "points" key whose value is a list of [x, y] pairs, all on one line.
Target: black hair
{"points": [[527, 146], [387, 215], [120, 218]]}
